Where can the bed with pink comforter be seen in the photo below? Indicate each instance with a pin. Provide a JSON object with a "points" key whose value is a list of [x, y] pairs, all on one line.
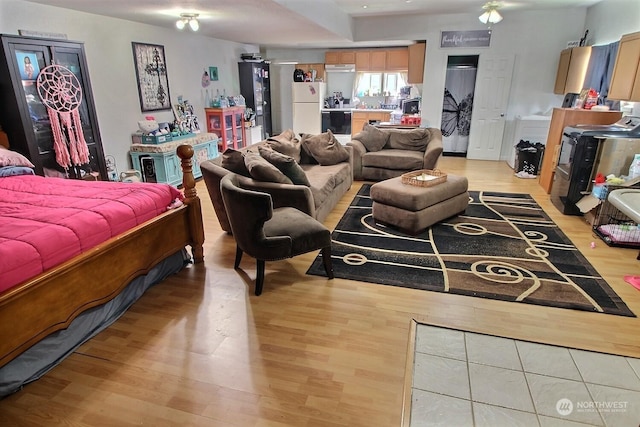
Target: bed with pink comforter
{"points": [[47, 221]]}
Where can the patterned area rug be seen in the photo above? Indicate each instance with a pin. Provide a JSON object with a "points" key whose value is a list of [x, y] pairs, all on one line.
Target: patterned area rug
{"points": [[504, 247]]}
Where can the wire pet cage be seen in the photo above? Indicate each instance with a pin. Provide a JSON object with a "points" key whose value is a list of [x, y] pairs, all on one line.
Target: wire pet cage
{"points": [[614, 227]]}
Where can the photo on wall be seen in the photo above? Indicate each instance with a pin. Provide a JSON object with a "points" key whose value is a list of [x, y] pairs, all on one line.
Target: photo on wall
{"points": [[28, 65]]}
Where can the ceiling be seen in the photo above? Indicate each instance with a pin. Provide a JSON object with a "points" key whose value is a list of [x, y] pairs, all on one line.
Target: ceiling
{"points": [[289, 23]]}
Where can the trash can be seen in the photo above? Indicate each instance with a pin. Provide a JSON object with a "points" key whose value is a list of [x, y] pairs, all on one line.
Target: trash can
{"points": [[529, 157]]}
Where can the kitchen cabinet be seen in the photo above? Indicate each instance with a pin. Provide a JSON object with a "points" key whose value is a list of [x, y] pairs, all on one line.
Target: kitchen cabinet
{"points": [[363, 60], [625, 81], [360, 117], [561, 118], [319, 68], [416, 62], [340, 57], [228, 124], [382, 60], [572, 68], [25, 118], [255, 87], [397, 59]]}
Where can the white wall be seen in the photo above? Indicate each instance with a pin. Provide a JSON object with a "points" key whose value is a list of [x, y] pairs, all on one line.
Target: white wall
{"points": [[610, 19], [110, 59]]}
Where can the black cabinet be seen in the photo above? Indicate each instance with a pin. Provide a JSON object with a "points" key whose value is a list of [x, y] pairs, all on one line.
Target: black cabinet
{"points": [[256, 90], [25, 118]]}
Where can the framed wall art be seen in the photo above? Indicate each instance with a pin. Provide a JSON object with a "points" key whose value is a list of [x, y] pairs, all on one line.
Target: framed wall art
{"points": [[151, 76]]}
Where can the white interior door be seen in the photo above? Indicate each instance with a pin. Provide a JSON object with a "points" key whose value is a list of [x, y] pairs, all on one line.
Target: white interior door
{"points": [[493, 84]]}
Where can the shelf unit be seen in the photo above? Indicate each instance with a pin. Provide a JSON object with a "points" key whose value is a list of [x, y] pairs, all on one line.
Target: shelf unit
{"points": [[228, 124], [24, 117]]}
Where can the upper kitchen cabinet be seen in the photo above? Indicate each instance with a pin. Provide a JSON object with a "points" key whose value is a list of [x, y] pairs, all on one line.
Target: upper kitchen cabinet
{"points": [[572, 69], [382, 59], [625, 81], [416, 62], [28, 121], [340, 57], [397, 59]]}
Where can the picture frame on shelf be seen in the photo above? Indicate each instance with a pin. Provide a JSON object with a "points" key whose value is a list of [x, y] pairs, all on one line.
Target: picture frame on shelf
{"points": [[28, 64], [151, 76]]}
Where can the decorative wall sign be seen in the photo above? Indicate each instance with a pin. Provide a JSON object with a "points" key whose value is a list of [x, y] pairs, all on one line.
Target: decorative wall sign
{"points": [[475, 38], [151, 75]]}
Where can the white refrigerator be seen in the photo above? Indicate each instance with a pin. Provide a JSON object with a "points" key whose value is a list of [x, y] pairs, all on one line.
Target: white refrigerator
{"points": [[308, 101]]}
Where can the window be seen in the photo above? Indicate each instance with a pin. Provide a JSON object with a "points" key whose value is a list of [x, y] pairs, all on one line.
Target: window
{"points": [[379, 84]]}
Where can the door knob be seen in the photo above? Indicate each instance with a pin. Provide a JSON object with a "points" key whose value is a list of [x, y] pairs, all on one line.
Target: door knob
{"points": [[501, 114]]}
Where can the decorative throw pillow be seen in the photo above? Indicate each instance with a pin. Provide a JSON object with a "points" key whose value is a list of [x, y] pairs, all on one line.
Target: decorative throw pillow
{"points": [[13, 158], [286, 143], [325, 148], [305, 155], [261, 170], [372, 138], [286, 165], [233, 160]]}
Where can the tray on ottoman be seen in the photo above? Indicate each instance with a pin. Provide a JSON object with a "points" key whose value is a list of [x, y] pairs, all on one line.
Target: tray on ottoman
{"points": [[424, 177]]}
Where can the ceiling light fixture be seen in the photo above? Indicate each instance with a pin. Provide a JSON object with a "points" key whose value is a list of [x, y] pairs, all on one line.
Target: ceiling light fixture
{"points": [[188, 18], [490, 15]]}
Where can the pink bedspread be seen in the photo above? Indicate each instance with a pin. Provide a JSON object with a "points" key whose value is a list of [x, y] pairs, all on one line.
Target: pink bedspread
{"points": [[46, 221]]}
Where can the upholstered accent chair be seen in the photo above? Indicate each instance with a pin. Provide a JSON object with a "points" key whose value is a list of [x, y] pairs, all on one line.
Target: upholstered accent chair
{"points": [[269, 234]]}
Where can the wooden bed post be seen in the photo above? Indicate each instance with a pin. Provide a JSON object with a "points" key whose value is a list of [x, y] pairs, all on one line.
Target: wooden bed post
{"points": [[185, 152]]}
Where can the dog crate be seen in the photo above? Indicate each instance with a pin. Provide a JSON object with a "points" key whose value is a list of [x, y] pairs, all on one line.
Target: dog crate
{"points": [[614, 227]]}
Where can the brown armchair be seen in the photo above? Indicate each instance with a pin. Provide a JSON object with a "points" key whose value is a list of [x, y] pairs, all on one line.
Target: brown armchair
{"points": [[269, 234]]}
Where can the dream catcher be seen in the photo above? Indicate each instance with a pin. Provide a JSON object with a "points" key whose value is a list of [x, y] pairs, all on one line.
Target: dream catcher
{"points": [[456, 116], [61, 93]]}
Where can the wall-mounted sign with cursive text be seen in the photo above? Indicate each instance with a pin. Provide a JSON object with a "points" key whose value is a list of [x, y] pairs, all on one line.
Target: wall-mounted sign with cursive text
{"points": [[476, 38]]}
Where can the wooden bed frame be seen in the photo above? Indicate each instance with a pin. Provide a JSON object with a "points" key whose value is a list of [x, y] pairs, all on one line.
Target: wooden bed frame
{"points": [[51, 300]]}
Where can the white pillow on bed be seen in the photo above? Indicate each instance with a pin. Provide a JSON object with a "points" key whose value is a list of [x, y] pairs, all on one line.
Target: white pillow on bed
{"points": [[13, 158]]}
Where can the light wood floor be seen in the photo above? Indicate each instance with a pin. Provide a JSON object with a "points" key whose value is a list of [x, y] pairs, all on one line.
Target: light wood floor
{"points": [[200, 349]]}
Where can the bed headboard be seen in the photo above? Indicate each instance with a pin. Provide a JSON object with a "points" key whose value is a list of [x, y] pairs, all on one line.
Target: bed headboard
{"points": [[4, 141]]}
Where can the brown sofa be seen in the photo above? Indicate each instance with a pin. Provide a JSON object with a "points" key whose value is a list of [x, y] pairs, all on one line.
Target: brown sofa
{"points": [[383, 153], [328, 183]]}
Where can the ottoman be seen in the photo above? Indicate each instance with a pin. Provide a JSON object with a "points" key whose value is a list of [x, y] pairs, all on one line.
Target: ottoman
{"points": [[412, 209]]}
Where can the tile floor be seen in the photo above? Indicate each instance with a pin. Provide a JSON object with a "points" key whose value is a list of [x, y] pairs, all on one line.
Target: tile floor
{"points": [[469, 379]]}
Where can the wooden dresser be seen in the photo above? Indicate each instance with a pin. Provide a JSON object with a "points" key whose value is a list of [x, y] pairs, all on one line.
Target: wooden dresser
{"points": [[561, 118]]}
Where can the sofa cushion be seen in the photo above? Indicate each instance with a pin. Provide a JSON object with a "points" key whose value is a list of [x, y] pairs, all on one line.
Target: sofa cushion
{"points": [[409, 139], [394, 159], [325, 179], [261, 170], [372, 137], [233, 160], [325, 148], [285, 164], [286, 143]]}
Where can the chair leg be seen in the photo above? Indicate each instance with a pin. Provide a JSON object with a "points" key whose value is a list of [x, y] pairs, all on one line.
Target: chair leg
{"points": [[326, 260], [236, 264], [259, 277]]}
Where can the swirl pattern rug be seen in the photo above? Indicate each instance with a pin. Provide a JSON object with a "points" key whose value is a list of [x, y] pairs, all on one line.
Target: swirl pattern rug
{"points": [[503, 247]]}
